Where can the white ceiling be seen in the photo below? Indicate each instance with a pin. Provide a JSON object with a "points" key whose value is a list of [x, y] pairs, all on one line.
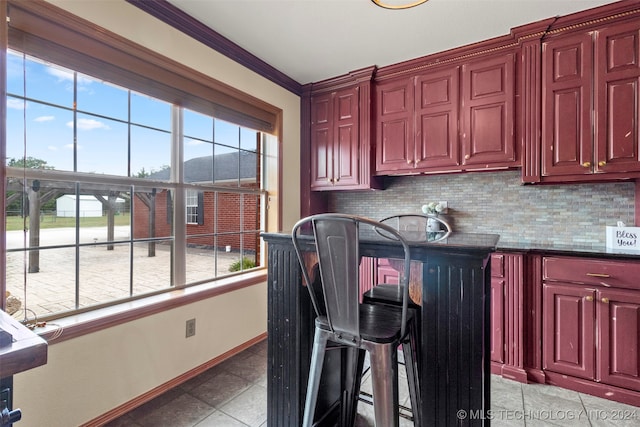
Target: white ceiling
{"points": [[311, 40]]}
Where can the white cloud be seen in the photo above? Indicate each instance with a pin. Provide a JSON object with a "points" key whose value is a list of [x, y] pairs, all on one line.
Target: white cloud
{"points": [[44, 119], [52, 148], [16, 104], [61, 75], [89, 124]]}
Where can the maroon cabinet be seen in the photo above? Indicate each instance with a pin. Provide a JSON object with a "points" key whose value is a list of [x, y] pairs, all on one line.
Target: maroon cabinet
{"points": [[335, 139], [569, 330], [497, 309], [395, 144], [487, 110], [437, 97], [618, 316], [448, 119], [340, 148], [590, 98], [591, 323]]}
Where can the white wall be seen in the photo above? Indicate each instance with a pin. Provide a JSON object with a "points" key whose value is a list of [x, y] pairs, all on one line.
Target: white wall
{"points": [[87, 376]]}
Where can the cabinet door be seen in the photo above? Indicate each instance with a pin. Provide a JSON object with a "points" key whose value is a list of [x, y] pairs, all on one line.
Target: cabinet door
{"points": [[618, 314], [568, 329], [436, 112], [616, 98], [346, 141], [488, 91], [321, 141], [567, 143], [394, 126], [386, 273]]}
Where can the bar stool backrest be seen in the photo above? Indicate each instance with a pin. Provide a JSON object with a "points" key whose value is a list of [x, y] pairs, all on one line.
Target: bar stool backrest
{"points": [[337, 238]]}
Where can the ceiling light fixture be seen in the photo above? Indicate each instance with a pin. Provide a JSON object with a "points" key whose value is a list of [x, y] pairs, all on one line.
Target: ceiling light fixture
{"points": [[398, 4]]}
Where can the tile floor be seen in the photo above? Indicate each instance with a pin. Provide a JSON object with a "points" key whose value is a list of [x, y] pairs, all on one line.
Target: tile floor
{"points": [[234, 394]]}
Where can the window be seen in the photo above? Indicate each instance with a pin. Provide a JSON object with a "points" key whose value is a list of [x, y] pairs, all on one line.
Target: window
{"points": [[192, 207], [112, 192]]}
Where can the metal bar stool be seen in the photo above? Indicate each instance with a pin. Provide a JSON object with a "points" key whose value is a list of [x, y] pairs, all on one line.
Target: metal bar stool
{"points": [[341, 319]]}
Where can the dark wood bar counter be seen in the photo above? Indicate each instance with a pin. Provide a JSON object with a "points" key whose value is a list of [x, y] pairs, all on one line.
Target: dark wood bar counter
{"points": [[454, 378]]}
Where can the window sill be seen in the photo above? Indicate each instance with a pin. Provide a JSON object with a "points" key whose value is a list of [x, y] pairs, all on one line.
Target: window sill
{"points": [[77, 325]]}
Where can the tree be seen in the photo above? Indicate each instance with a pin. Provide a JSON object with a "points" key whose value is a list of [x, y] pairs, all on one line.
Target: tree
{"points": [[29, 163]]}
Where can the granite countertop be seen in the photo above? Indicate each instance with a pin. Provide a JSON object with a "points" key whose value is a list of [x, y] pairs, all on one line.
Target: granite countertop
{"points": [[567, 249]]}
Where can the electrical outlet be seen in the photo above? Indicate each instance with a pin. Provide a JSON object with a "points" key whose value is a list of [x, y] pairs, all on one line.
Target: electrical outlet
{"points": [[190, 328], [445, 207]]}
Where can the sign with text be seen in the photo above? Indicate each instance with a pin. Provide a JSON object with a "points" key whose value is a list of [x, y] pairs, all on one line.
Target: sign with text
{"points": [[623, 238]]}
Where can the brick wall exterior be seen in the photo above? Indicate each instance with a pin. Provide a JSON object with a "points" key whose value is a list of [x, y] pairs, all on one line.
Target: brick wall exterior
{"points": [[228, 210]]}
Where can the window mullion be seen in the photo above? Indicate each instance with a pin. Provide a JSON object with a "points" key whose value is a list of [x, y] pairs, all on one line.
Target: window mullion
{"points": [[179, 211]]}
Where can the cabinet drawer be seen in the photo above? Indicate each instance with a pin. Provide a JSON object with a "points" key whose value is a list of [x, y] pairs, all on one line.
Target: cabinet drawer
{"points": [[592, 271]]}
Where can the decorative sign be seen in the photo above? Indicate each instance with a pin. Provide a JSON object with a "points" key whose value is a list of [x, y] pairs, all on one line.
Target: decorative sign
{"points": [[623, 238]]}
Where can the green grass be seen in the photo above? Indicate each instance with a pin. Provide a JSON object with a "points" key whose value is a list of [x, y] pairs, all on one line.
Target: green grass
{"points": [[246, 264], [51, 221]]}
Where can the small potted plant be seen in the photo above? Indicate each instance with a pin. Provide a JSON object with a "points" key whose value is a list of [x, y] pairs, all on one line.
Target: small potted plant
{"points": [[433, 209]]}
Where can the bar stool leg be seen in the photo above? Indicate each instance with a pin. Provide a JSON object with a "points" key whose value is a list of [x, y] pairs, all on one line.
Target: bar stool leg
{"points": [[315, 373], [384, 376]]}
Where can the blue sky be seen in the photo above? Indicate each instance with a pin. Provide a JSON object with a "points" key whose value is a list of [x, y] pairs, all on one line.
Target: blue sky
{"points": [[101, 140]]}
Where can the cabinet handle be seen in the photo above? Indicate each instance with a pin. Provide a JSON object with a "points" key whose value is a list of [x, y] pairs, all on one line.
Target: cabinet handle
{"points": [[329, 180], [409, 162], [336, 179], [589, 298], [467, 157], [586, 165], [602, 163], [605, 300], [605, 276]]}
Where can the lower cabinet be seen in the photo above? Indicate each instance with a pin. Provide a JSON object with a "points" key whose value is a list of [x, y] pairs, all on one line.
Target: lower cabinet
{"points": [[591, 326]]}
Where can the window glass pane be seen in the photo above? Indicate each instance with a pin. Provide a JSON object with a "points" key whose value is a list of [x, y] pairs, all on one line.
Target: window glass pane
{"points": [[249, 170], [250, 212], [199, 169], [226, 166], [15, 75], [50, 83], [151, 266], [49, 136], [197, 126], [200, 263], [153, 213], [99, 207], [102, 145], [249, 139], [227, 133], [151, 112], [104, 273], [102, 98], [50, 289], [150, 153]]}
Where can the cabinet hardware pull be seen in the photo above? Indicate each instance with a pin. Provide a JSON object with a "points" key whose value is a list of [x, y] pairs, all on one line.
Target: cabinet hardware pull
{"points": [[336, 179], [589, 298], [605, 300], [602, 163], [329, 180], [598, 275], [467, 157], [586, 165]]}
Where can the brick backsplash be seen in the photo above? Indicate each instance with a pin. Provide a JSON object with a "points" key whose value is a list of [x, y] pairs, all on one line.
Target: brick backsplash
{"points": [[497, 202]]}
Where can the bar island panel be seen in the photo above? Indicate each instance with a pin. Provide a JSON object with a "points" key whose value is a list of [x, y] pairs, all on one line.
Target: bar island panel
{"points": [[455, 332]]}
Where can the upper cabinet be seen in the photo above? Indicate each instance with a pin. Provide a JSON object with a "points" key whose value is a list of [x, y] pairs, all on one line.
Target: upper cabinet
{"points": [[340, 133], [589, 105], [448, 119], [488, 110]]}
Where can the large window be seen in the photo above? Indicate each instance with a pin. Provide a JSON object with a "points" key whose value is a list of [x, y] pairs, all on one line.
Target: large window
{"points": [[113, 194]]}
